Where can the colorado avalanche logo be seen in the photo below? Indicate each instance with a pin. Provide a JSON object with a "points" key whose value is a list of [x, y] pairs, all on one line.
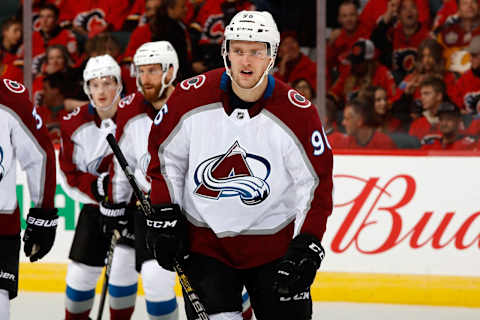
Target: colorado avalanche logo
{"points": [[231, 175], [472, 100], [298, 100], [2, 168], [195, 82], [14, 86]]}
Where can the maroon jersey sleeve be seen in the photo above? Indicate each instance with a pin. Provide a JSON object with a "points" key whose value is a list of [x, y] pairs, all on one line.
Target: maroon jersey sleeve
{"points": [[302, 118]]}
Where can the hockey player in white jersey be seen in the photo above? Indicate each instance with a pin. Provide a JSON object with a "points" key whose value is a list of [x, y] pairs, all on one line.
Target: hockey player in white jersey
{"points": [[156, 65], [241, 182], [23, 137], [85, 159]]}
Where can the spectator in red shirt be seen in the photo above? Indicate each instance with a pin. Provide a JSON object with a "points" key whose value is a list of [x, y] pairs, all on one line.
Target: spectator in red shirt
{"points": [[432, 92], [54, 86], [456, 33], [449, 8], [375, 8], [50, 34], [360, 125], [293, 64], [11, 42], [382, 109], [364, 71], [450, 138], [398, 36], [341, 40], [468, 85]]}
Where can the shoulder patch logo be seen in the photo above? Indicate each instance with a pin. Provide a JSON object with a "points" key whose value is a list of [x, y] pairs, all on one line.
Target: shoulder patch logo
{"points": [[298, 100], [195, 82], [14, 86], [233, 174], [126, 100]]}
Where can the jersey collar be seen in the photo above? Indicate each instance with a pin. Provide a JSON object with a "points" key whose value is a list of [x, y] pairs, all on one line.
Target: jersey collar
{"points": [[226, 86]]}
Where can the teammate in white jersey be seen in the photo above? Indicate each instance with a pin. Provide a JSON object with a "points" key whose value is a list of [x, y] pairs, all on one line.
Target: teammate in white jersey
{"points": [[156, 65], [241, 182], [23, 137], [85, 159]]}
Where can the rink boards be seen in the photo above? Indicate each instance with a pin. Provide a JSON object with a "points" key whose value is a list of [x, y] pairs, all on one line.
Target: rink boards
{"points": [[405, 229]]}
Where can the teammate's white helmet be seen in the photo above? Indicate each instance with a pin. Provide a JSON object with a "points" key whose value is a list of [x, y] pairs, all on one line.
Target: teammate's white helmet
{"points": [[158, 52], [257, 26], [99, 67]]}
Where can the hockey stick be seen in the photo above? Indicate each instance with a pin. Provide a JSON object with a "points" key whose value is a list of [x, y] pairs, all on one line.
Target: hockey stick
{"points": [[147, 210], [113, 243]]}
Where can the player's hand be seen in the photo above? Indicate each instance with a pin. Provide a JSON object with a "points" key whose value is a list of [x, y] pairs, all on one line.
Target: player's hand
{"points": [[40, 232], [297, 269], [113, 217], [167, 235], [100, 187]]}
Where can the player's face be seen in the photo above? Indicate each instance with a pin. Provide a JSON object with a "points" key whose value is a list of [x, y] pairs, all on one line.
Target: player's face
{"points": [[103, 91], [381, 104], [55, 60], [430, 98], [249, 60], [47, 20], [408, 13], [448, 124], [468, 9], [151, 80], [351, 121], [348, 17]]}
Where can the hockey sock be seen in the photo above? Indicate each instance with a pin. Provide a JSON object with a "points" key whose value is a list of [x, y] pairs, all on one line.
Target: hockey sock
{"points": [[78, 304], [4, 305], [162, 310], [122, 301], [247, 311]]}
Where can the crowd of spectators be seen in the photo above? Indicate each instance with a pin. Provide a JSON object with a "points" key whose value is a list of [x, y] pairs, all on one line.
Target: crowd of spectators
{"points": [[400, 73], [404, 74]]}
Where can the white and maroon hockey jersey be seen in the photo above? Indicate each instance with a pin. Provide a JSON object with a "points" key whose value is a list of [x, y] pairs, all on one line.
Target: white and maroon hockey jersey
{"points": [[23, 137], [247, 179], [84, 153], [134, 119]]}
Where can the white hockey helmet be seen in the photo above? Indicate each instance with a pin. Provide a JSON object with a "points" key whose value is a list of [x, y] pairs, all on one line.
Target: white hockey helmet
{"points": [[257, 26], [158, 52], [99, 67]]}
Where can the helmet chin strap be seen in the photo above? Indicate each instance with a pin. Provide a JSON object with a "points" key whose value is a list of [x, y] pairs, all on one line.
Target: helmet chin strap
{"points": [[110, 106], [259, 82]]}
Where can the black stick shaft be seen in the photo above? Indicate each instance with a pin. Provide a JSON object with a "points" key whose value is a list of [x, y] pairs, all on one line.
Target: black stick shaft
{"points": [[147, 210], [113, 243]]}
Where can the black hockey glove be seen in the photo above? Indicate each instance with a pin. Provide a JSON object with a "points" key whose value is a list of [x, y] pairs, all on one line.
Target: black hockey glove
{"points": [[113, 217], [167, 234], [100, 187], [297, 269], [40, 232]]}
